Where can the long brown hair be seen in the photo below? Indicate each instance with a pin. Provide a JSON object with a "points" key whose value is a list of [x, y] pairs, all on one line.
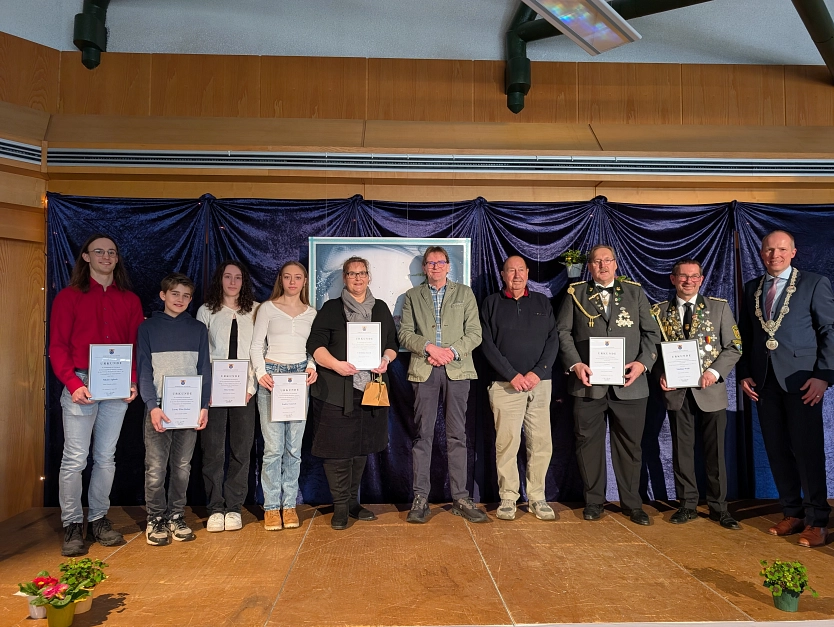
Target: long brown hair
{"points": [[278, 289], [214, 293], [80, 278]]}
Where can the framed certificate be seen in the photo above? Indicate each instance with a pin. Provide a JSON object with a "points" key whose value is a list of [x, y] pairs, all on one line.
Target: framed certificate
{"points": [[682, 364], [289, 397], [109, 374], [181, 401], [607, 360], [229, 380], [364, 347]]}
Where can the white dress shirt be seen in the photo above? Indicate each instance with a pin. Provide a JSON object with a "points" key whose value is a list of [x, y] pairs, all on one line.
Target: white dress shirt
{"points": [[681, 310]]}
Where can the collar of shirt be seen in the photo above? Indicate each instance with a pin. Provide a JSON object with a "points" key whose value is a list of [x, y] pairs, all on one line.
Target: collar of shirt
{"points": [[437, 290], [608, 287], [681, 302], [785, 274], [509, 294]]}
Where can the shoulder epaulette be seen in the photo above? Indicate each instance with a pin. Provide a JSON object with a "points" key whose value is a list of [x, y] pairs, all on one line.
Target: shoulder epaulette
{"points": [[578, 283], [723, 300], [630, 282], [661, 303]]}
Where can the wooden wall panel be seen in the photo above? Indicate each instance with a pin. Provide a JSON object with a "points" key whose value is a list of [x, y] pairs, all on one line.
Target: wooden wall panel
{"points": [[313, 87], [22, 223], [426, 90], [733, 94], [205, 85], [21, 377], [19, 189], [121, 85], [23, 124], [629, 93], [809, 96], [28, 73], [552, 99]]}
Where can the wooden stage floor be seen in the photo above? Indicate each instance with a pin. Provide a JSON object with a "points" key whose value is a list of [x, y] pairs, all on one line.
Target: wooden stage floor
{"points": [[446, 572]]}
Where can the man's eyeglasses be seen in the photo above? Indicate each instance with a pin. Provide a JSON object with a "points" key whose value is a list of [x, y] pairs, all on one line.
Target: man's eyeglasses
{"points": [[602, 262], [684, 277], [100, 252], [361, 274], [436, 264]]}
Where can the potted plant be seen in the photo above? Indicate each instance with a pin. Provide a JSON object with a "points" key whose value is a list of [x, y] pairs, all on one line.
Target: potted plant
{"points": [[85, 573], [786, 580], [572, 259], [30, 590], [60, 600]]}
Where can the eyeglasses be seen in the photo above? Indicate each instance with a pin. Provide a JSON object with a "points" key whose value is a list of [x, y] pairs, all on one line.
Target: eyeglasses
{"points": [[100, 252], [602, 262], [353, 275], [684, 277], [436, 264]]}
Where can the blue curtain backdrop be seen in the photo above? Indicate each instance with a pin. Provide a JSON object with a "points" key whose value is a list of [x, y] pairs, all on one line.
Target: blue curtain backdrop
{"points": [[193, 236]]}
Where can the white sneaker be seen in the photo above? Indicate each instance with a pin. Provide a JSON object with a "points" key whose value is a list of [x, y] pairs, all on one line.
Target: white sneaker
{"points": [[215, 523], [506, 511], [542, 510], [233, 521]]}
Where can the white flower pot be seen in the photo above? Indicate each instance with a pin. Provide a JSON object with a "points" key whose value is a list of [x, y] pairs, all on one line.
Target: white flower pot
{"points": [[35, 611], [86, 604]]}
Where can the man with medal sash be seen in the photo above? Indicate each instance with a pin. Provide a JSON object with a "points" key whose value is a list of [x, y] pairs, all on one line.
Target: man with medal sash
{"points": [[787, 326], [709, 321], [607, 307]]}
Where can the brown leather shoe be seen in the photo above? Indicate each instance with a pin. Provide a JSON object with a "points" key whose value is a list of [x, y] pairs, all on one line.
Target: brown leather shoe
{"points": [[272, 519], [787, 526], [290, 518], [813, 536]]}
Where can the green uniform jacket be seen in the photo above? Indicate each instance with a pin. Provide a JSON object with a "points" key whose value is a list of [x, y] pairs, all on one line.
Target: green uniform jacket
{"points": [[461, 329]]}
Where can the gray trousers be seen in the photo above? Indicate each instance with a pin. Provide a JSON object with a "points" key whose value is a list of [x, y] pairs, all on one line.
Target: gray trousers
{"points": [[455, 397]]}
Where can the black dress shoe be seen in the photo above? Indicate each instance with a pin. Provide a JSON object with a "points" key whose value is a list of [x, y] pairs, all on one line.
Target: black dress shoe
{"points": [[683, 515], [340, 517], [639, 517], [361, 513], [592, 511], [725, 520]]}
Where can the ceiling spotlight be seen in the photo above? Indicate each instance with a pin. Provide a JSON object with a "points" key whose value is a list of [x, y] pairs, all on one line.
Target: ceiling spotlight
{"points": [[89, 33]]}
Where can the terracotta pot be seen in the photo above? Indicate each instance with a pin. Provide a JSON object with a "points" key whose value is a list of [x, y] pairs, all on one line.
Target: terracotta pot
{"points": [[60, 616], [788, 601], [86, 604]]}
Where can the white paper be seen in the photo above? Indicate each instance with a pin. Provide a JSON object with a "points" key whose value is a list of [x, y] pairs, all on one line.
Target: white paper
{"points": [[181, 401], [607, 360], [289, 397], [682, 364], [364, 348], [229, 380], [109, 373]]}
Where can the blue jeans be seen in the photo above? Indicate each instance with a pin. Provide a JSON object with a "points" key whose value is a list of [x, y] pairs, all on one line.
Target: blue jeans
{"points": [[100, 422], [172, 449], [282, 448]]}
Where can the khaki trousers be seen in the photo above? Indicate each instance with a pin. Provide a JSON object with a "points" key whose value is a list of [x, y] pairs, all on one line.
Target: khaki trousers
{"points": [[511, 411]]}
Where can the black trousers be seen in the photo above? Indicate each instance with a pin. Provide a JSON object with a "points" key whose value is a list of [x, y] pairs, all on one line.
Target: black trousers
{"points": [[626, 419], [227, 496], [795, 443], [684, 424], [344, 477]]}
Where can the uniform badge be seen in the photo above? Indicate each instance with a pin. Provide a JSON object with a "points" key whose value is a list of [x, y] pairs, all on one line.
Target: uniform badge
{"points": [[624, 319]]}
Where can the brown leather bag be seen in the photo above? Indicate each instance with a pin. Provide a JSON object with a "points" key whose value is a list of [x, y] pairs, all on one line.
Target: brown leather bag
{"points": [[376, 393]]}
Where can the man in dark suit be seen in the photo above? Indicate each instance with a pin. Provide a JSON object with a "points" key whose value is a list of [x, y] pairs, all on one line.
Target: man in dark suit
{"points": [[709, 321], [600, 308], [787, 327]]}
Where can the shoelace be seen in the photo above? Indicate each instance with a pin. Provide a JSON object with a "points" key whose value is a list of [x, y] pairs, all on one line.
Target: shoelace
{"points": [[159, 526], [104, 524], [179, 522], [72, 529]]}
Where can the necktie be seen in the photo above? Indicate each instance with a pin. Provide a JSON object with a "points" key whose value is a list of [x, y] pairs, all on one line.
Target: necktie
{"points": [[771, 296], [687, 319], [233, 340]]}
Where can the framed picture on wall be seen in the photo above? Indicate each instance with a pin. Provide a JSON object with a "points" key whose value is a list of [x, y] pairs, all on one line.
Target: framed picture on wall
{"points": [[396, 265]]}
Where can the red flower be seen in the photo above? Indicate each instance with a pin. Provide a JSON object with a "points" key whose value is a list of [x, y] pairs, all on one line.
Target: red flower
{"points": [[56, 590], [41, 582]]}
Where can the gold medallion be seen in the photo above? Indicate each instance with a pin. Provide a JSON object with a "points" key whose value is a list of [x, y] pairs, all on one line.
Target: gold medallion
{"points": [[772, 344]]}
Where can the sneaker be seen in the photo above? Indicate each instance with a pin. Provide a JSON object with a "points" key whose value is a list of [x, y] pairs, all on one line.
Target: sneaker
{"points": [[290, 517], [542, 510], [506, 511], [73, 541], [179, 530], [216, 522], [157, 533], [272, 520], [419, 510], [233, 521], [102, 531], [466, 507]]}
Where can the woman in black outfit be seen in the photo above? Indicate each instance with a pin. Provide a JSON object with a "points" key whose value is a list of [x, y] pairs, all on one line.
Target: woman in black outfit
{"points": [[344, 430]]}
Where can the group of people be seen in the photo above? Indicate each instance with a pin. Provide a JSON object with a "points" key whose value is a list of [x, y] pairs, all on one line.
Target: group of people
{"points": [[786, 328]]}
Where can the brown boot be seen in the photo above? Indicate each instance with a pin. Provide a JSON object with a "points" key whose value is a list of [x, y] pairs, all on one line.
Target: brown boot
{"points": [[813, 536], [787, 526], [272, 519], [290, 518]]}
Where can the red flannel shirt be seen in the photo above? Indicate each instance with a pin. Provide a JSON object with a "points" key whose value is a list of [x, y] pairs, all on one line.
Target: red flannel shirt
{"points": [[100, 316]]}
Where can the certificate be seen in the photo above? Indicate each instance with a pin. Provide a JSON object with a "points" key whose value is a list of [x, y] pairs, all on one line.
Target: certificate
{"points": [[364, 348], [682, 364], [229, 380], [289, 397], [181, 401], [109, 374], [607, 360]]}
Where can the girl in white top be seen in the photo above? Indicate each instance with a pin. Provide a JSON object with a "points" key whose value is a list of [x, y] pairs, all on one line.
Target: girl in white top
{"points": [[229, 312], [283, 322]]}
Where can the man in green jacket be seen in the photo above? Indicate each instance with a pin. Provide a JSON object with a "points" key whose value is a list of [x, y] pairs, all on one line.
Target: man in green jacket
{"points": [[440, 327]]}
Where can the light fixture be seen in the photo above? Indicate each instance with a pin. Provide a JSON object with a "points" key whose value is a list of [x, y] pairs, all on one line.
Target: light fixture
{"points": [[592, 24]]}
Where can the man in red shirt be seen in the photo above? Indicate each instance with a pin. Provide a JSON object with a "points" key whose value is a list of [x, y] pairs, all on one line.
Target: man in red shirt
{"points": [[96, 308]]}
